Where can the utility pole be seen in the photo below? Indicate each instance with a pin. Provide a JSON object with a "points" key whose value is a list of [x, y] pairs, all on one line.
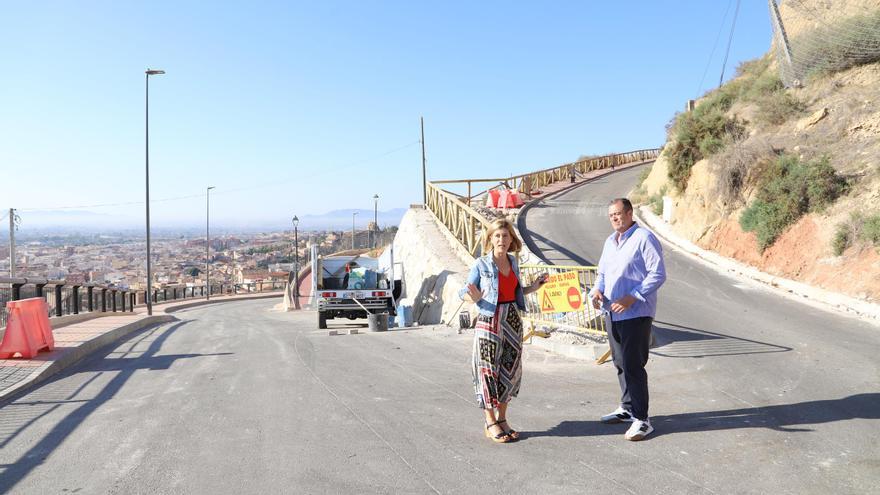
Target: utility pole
{"points": [[208, 240], [352, 228], [375, 231], [424, 180], [11, 243]]}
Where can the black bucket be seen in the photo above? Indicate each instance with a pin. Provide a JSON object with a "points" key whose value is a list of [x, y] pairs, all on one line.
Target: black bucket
{"points": [[464, 320], [377, 322]]}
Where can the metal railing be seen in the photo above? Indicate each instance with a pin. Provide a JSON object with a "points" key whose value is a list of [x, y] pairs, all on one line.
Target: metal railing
{"points": [[66, 298], [586, 321], [453, 210]]}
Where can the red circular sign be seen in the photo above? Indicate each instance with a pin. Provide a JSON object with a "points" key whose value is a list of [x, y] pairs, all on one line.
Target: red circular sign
{"points": [[574, 297]]}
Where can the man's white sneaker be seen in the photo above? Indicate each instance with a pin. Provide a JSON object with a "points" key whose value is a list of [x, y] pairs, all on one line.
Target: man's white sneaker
{"points": [[619, 415], [638, 430]]}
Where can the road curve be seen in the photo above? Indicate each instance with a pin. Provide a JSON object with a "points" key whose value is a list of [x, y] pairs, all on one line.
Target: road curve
{"points": [[728, 349]]}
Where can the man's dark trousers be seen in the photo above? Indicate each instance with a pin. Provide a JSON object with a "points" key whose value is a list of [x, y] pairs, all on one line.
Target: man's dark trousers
{"points": [[630, 340]]}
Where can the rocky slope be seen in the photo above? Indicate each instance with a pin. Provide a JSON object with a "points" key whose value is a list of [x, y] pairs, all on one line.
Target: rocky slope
{"points": [[835, 116]]}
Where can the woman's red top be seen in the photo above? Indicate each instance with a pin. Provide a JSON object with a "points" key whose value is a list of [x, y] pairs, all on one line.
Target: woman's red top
{"points": [[507, 287]]}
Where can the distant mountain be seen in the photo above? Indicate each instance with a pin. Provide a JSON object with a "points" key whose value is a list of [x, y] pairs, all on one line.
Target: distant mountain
{"points": [[341, 219], [39, 223]]}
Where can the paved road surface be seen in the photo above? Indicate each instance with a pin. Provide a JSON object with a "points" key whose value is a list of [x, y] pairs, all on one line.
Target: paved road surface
{"points": [[741, 358], [235, 398]]}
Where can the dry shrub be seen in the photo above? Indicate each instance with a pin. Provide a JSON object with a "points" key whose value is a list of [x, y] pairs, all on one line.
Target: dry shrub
{"points": [[738, 166]]}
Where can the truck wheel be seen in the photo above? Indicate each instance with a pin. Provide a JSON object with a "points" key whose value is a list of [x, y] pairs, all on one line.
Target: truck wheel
{"points": [[322, 321]]}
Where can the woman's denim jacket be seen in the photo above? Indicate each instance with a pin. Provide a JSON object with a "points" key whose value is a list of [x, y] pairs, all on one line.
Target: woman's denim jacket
{"points": [[484, 275]]}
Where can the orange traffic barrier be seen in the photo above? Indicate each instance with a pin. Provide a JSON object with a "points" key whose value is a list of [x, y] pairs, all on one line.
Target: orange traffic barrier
{"points": [[509, 199], [492, 198], [27, 329]]}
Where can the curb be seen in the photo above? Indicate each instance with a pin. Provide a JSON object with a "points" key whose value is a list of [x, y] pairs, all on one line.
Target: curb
{"points": [[816, 297], [76, 354], [194, 304]]}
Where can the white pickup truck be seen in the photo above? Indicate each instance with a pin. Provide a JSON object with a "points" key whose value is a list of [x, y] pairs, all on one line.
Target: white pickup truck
{"points": [[353, 286]]}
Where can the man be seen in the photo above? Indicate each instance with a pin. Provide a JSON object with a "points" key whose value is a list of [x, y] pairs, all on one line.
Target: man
{"points": [[630, 272]]}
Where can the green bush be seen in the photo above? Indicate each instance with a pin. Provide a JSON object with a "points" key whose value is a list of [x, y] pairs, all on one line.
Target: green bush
{"points": [[776, 108], [701, 133], [842, 238], [656, 204], [753, 68], [656, 201], [870, 231], [790, 188]]}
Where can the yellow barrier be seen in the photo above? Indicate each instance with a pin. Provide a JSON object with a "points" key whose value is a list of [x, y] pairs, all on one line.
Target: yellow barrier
{"points": [[585, 320]]}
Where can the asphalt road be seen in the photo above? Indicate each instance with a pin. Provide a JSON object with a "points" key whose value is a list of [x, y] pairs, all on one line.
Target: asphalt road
{"points": [[749, 395], [735, 359]]}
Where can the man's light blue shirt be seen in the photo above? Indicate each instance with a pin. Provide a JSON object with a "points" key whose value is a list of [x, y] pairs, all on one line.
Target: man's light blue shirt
{"points": [[631, 264]]}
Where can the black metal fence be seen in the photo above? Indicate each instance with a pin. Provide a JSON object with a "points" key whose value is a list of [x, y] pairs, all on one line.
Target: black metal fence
{"points": [[65, 298]]}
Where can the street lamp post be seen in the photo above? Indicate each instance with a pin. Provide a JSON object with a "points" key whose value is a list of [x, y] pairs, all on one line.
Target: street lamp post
{"points": [[375, 219], [208, 240], [352, 228], [296, 261], [149, 298]]}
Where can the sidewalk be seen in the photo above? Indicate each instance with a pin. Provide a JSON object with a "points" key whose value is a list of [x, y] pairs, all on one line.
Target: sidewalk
{"points": [[77, 340]]}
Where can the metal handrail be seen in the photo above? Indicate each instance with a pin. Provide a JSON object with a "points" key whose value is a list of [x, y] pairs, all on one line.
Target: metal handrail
{"points": [[65, 297]]}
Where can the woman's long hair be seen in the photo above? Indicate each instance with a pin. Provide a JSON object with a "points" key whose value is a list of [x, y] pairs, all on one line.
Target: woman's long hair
{"points": [[501, 223]]}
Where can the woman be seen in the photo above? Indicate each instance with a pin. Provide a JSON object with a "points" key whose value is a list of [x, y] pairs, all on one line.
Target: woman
{"points": [[494, 286]]}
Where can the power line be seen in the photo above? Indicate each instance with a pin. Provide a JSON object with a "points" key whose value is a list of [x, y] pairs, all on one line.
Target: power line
{"points": [[714, 46], [729, 42]]}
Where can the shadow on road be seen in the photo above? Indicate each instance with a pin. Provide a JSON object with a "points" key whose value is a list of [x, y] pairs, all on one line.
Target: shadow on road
{"points": [[18, 415], [677, 341], [529, 237], [790, 418]]}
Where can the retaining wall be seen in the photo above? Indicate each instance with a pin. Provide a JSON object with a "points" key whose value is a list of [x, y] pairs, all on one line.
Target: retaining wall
{"points": [[433, 268]]}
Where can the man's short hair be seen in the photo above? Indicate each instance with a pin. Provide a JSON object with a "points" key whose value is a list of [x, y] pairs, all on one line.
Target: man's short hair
{"points": [[627, 204]]}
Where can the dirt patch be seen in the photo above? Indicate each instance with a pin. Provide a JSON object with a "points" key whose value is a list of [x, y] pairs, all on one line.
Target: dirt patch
{"points": [[803, 254]]}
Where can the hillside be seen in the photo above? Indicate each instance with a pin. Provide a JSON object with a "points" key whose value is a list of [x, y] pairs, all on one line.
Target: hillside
{"points": [[787, 179]]}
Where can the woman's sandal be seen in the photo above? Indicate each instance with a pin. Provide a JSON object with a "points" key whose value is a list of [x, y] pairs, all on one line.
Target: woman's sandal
{"points": [[510, 431], [499, 438]]}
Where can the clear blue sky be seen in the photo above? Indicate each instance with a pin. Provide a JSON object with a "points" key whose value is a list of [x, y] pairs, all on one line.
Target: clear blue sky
{"points": [[288, 107]]}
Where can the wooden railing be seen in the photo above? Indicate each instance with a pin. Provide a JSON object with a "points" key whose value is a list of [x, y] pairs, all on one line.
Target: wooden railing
{"points": [[465, 224], [460, 219]]}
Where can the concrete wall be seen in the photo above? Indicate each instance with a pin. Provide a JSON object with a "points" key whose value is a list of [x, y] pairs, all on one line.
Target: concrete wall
{"points": [[433, 269]]}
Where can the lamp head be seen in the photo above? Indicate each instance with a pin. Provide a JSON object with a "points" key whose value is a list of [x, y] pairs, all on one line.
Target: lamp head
{"points": [[154, 72], [295, 221]]}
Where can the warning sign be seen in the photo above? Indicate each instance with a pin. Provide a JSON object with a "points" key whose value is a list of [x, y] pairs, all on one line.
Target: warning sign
{"points": [[561, 293], [546, 303]]}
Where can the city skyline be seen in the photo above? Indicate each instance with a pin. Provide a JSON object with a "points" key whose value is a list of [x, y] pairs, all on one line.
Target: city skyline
{"points": [[85, 222]]}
